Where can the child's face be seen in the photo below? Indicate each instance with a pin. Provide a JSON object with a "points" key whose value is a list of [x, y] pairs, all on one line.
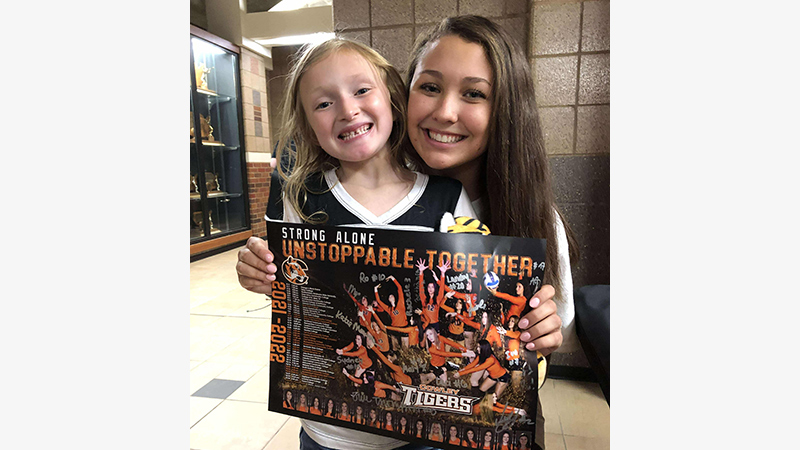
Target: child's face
{"points": [[449, 104], [348, 106]]}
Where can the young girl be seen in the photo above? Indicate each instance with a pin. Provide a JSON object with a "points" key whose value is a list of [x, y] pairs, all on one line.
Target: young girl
{"points": [[344, 111]]}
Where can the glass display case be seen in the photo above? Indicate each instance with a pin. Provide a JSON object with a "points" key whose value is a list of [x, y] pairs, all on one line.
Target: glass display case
{"points": [[217, 197]]}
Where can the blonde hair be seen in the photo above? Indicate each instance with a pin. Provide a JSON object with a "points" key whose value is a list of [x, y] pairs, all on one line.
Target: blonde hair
{"points": [[299, 153]]}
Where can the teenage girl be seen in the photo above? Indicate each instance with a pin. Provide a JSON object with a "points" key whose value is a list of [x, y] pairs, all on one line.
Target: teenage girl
{"points": [[412, 331], [378, 331], [487, 440], [436, 432], [288, 403], [396, 310], [364, 317], [485, 329], [302, 405], [511, 333], [358, 417], [331, 412], [433, 298], [344, 414], [438, 352], [357, 349], [419, 429], [387, 422], [315, 407], [504, 443], [397, 373], [517, 301], [469, 439], [372, 387], [486, 364], [454, 440]]}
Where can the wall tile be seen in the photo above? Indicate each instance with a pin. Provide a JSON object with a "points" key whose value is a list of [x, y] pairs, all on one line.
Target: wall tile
{"points": [[595, 79], [558, 127], [481, 7], [394, 44], [593, 129], [434, 10], [595, 26], [359, 36], [396, 12], [556, 28], [516, 6], [590, 222], [580, 179], [350, 14], [555, 80]]}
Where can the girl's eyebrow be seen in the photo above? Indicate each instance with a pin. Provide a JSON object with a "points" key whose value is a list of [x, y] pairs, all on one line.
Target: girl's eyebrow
{"points": [[438, 75]]}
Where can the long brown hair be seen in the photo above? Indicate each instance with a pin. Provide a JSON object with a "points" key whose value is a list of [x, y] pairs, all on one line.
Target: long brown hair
{"points": [[308, 157], [519, 192]]}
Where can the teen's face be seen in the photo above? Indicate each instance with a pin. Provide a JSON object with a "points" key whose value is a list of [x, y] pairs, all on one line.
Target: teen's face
{"points": [[453, 432], [488, 436], [359, 341], [288, 395], [431, 289], [520, 289], [430, 333], [316, 403], [471, 435], [449, 104], [523, 440], [348, 106]]}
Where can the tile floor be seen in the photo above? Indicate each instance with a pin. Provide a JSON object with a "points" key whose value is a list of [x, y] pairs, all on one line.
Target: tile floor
{"points": [[229, 376]]}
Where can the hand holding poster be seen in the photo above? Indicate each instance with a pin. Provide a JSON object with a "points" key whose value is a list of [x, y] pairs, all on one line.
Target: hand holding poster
{"points": [[412, 335]]}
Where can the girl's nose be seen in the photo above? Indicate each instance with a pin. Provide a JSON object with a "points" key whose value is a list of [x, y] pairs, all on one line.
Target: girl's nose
{"points": [[349, 109], [447, 110]]}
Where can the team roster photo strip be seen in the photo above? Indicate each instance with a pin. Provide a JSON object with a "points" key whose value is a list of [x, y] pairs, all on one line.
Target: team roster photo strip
{"points": [[406, 334]]}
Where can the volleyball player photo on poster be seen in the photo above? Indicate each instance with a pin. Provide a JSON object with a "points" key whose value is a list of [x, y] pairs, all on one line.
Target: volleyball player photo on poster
{"points": [[412, 335]]}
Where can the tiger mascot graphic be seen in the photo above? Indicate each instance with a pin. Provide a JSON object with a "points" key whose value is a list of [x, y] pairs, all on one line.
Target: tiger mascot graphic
{"points": [[295, 270]]}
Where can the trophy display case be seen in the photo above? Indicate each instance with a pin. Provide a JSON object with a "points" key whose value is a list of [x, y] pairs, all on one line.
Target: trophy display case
{"points": [[217, 192]]}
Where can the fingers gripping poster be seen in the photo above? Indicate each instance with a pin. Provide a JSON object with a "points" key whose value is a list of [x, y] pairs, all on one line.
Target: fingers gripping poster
{"points": [[406, 334]]}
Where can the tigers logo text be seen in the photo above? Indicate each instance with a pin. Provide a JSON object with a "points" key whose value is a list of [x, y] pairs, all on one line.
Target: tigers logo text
{"points": [[434, 397]]}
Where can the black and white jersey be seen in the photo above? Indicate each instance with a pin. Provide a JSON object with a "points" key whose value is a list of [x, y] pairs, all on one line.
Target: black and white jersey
{"points": [[421, 210]]}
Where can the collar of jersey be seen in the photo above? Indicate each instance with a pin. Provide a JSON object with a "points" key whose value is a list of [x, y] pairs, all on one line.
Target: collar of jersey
{"points": [[363, 213]]}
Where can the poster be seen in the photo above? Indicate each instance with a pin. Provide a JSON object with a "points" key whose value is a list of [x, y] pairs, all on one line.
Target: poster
{"points": [[406, 334]]}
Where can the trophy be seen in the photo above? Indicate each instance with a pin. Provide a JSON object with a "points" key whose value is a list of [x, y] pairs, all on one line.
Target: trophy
{"points": [[201, 76], [206, 130], [212, 182], [197, 218]]}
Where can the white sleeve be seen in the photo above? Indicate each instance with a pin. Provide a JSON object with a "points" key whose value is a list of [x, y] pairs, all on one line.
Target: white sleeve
{"points": [[565, 303], [289, 214], [464, 206]]}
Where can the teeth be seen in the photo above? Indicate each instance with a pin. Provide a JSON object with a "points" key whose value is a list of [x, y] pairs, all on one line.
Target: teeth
{"points": [[358, 132], [444, 138]]}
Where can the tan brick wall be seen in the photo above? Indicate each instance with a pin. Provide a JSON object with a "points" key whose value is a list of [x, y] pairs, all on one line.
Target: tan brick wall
{"points": [[255, 111]]}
